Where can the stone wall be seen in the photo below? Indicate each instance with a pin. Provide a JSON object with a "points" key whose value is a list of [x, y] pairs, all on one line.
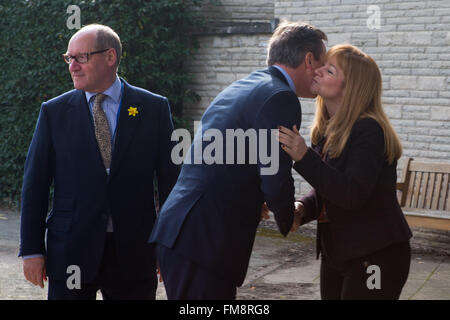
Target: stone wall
{"points": [[410, 42], [239, 10]]}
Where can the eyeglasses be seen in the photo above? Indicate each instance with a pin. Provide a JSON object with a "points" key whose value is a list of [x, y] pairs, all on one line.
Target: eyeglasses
{"points": [[82, 57]]}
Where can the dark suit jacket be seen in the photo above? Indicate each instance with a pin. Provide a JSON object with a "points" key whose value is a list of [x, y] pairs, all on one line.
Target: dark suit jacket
{"points": [[358, 189], [64, 151], [211, 215]]}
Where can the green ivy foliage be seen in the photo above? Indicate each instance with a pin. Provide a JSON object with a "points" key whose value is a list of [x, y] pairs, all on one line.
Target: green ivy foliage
{"points": [[157, 38]]}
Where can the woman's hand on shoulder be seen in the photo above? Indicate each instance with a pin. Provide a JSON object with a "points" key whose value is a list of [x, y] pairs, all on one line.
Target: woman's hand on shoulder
{"points": [[292, 142]]}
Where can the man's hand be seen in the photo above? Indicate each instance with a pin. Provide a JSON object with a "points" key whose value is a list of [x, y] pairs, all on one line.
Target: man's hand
{"points": [[265, 212], [34, 271], [298, 214]]}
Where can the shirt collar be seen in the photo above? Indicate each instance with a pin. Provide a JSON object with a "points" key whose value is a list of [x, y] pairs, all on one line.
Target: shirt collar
{"points": [[112, 92], [288, 78]]}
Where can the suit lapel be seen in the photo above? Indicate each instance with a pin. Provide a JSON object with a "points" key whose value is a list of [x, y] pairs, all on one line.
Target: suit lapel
{"points": [[82, 125], [126, 125]]}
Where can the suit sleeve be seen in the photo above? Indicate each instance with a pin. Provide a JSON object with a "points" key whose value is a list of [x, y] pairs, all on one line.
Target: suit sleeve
{"points": [[277, 184], [38, 176], [312, 205], [348, 189], [166, 171]]}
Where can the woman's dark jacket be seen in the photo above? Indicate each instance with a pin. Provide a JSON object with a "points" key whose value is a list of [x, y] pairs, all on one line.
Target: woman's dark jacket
{"points": [[358, 189]]}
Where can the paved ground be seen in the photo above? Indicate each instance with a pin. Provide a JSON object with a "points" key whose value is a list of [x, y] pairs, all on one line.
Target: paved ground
{"points": [[280, 268]]}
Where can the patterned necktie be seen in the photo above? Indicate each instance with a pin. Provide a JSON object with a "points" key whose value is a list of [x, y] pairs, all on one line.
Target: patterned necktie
{"points": [[102, 132]]}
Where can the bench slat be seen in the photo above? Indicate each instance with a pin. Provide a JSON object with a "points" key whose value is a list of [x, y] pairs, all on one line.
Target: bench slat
{"points": [[430, 190], [417, 183], [427, 222], [424, 189], [427, 213], [409, 192], [429, 167], [437, 187], [405, 179], [442, 202], [447, 196]]}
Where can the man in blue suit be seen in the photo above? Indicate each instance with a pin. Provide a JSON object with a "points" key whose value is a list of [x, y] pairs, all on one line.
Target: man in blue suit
{"points": [[100, 145], [206, 229]]}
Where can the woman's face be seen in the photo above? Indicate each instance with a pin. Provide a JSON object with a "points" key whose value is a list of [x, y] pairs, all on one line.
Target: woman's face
{"points": [[328, 82]]}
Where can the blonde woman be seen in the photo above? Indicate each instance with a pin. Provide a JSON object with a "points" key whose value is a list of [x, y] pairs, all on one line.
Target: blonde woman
{"points": [[362, 235]]}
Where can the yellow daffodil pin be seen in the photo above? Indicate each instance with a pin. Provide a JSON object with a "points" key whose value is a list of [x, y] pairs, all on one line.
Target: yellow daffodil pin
{"points": [[132, 111]]}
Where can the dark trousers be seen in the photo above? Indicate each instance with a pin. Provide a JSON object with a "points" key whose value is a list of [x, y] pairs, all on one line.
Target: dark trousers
{"points": [[107, 281], [356, 279], [185, 280]]}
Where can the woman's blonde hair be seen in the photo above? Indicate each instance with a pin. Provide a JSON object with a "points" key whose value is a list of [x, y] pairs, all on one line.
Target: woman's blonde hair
{"points": [[362, 99]]}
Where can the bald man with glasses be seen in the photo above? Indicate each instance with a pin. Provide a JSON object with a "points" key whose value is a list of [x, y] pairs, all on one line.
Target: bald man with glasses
{"points": [[100, 146]]}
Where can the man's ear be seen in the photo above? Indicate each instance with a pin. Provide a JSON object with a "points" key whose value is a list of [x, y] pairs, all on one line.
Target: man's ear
{"points": [[309, 60], [112, 57]]}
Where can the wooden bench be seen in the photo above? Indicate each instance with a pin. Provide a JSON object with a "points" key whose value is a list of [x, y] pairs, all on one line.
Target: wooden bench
{"points": [[423, 194]]}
